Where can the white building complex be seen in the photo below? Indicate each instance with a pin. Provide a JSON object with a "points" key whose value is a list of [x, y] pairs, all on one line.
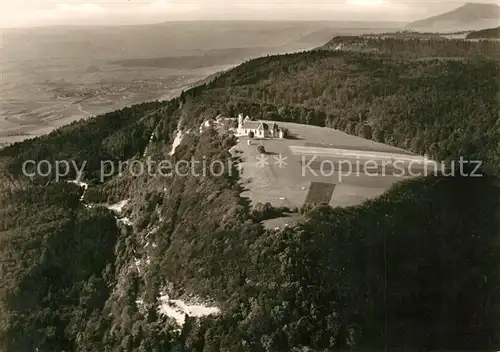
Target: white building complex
{"points": [[260, 129]]}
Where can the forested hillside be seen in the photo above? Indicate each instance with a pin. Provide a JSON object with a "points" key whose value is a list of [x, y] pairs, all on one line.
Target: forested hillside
{"points": [[415, 269], [415, 45], [443, 108], [490, 33], [57, 267]]}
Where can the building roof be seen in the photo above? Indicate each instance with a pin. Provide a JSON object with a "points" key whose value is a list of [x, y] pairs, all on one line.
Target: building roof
{"points": [[259, 125], [252, 125], [273, 126]]}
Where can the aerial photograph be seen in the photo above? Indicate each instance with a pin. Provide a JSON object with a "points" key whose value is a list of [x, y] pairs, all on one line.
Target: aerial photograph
{"points": [[249, 175]]}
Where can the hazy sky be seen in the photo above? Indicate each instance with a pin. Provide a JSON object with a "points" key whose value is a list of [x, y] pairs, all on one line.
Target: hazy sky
{"points": [[20, 13]]}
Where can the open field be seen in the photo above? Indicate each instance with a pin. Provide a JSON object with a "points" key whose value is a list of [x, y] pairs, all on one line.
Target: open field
{"points": [[36, 99], [350, 168]]}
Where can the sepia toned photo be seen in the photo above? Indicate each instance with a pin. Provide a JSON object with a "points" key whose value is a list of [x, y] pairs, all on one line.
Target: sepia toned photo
{"points": [[249, 175]]}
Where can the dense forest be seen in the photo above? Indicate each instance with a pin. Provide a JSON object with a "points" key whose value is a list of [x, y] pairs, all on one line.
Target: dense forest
{"points": [[407, 46], [414, 269], [442, 108], [490, 33]]}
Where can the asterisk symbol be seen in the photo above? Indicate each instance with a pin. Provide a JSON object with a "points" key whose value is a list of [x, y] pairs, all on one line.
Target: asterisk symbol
{"points": [[280, 160], [262, 160]]}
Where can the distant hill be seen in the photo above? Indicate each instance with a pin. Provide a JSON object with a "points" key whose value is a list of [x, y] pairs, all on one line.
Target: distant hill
{"points": [[414, 45], [467, 17], [490, 33]]}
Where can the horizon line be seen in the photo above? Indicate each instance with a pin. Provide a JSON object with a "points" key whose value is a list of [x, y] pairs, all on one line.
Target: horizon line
{"points": [[201, 20]]}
